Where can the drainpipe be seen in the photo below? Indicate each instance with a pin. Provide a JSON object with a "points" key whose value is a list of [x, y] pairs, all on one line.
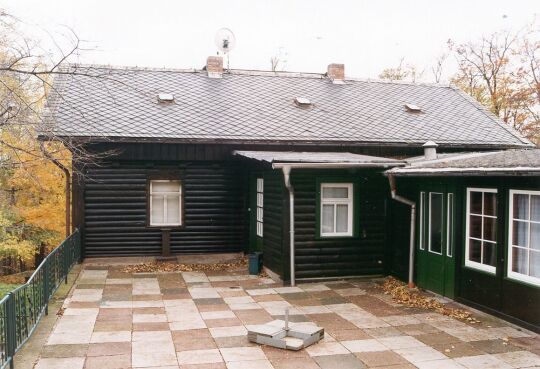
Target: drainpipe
{"points": [[67, 177], [287, 177], [395, 196]]}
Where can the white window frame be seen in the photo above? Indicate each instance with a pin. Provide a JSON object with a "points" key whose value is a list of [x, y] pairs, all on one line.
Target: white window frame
{"points": [[422, 236], [164, 194], [339, 201], [259, 208], [511, 274], [442, 223], [470, 263], [450, 224]]}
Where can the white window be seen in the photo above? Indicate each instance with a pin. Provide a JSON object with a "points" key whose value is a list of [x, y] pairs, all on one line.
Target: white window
{"points": [[450, 225], [260, 206], [435, 241], [481, 229], [336, 209], [524, 237], [422, 220], [165, 203]]}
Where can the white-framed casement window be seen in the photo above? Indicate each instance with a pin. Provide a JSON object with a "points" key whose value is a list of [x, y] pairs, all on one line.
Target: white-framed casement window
{"points": [[481, 229], [260, 206], [336, 209], [450, 224], [524, 236], [165, 203]]}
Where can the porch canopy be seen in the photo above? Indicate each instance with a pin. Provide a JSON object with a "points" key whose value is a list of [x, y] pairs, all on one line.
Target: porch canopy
{"points": [[519, 162], [294, 159]]}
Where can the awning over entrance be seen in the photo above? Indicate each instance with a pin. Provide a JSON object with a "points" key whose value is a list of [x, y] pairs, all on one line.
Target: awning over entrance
{"points": [[319, 159]]}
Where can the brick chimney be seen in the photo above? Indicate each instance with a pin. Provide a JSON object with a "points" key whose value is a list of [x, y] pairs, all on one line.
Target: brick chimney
{"points": [[214, 66], [336, 72]]}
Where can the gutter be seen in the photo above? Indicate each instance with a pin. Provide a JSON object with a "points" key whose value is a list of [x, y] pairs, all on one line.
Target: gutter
{"points": [[287, 178], [412, 204]]}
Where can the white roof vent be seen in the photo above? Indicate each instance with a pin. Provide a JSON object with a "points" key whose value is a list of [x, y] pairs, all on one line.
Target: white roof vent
{"points": [[413, 108], [165, 98], [302, 102]]}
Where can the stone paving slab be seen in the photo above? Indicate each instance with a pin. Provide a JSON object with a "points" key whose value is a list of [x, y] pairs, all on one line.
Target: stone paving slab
{"points": [[196, 320]]}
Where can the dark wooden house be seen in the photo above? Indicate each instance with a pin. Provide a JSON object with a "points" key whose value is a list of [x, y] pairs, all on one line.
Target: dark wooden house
{"points": [[298, 166]]}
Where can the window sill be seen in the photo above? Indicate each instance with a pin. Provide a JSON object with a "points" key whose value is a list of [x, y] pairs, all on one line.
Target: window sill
{"points": [[517, 278], [481, 268]]}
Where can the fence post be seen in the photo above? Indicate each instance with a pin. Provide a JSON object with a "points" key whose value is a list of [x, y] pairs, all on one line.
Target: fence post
{"points": [[46, 285], [11, 323]]}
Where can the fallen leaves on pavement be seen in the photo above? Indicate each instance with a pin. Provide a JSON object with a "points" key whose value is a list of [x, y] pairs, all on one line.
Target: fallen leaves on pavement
{"points": [[176, 267], [401, 294]]}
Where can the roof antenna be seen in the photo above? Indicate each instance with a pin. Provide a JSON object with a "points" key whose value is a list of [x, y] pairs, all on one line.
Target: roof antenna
{"points": [[225, 42]]}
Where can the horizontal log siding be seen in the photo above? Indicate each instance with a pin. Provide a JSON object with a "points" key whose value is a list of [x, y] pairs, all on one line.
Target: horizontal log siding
{"points": [[274, 213], [115, 210], [362, 255]]}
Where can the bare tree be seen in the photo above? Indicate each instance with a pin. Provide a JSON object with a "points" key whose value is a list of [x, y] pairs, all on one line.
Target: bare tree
{"points": [[502, 72], [279, 61], [403, 72]]}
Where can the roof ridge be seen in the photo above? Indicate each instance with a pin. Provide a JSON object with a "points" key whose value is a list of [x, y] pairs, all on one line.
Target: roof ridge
{"points": [[253, 72]]}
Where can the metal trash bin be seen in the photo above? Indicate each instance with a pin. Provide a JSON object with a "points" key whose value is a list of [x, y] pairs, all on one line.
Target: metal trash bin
{"points": [[255, 262]]}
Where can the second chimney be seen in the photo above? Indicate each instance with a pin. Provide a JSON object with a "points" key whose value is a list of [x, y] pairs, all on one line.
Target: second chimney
{"points": [[336, 72], [430, 150], [214, 66]]}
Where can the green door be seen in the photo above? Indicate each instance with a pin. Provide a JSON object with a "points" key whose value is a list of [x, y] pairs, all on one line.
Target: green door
{"points": [[436, 266], [256, 212]]}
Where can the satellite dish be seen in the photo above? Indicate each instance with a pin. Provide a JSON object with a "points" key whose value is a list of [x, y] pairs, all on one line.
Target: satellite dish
{"points": [[225, 40]]}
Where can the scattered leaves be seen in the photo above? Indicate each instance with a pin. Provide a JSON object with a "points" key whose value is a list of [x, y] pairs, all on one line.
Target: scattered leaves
{"points": [[177, 267], [401, 294]]}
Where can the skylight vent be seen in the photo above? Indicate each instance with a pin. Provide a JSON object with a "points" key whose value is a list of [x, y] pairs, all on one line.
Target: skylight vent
{"points": [[302, 102], [165, 98], [413, 108]]}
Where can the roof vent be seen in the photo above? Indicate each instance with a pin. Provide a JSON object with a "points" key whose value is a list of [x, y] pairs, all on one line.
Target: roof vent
{"points": [[413, 108], [165, 98], [430, 150], [302, 102]]}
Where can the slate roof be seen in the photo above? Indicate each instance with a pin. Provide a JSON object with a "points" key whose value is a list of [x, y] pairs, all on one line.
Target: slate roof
{"points": [[243, 106], [508, 162], [317, 157]]}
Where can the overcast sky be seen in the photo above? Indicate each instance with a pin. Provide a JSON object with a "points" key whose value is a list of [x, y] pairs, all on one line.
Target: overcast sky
{"points": [[367, 36]]}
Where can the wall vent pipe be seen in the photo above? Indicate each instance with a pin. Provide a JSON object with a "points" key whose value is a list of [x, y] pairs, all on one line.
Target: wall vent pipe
{"points": [[430, 150]]}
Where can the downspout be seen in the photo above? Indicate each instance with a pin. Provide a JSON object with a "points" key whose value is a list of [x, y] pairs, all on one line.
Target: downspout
{"points": [[67, 176], [412, 204], [287, 177]]}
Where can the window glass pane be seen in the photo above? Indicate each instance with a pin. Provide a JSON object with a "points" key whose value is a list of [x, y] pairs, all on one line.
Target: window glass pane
{"points": [[535, 208], [342, 218], [534, 270], [436, 219], [520, 233], [519, 260], [172, 186], [476, 202], [173, 209], [335, 192], [422, 219], [475, 250], [490, 203], [260, 184], [490, 229], [156, 217], [475, 226], [260, 199], [259, 214], [521, 206], [327, 219], [535, 236], [490, 253], [450, 225]]}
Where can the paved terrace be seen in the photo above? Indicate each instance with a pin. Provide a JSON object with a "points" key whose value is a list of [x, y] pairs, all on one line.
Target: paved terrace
{"points": [[195, 320]]}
